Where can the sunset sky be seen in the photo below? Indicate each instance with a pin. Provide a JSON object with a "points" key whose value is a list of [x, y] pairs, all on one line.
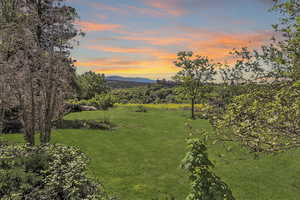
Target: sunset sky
{"points": [[140, 38]]}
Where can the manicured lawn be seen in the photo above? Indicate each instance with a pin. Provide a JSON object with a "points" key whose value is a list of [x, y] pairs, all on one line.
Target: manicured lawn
{"points": [[140, 159]]}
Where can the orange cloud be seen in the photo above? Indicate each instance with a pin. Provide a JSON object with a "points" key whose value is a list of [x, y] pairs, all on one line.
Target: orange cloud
{"points": [[158, 57], [118, 49], [157, 54], [153, 73], [219, 46], [161, 41], [126, 66], [171, 7], [212, 44], [135, 70], [160, 61], [118, 69], [107, 62], [154, 11], [90, 26]]}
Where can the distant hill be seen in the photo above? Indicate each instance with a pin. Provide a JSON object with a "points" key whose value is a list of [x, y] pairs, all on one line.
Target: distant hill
{"points": [[115, 84], [129, 79]]}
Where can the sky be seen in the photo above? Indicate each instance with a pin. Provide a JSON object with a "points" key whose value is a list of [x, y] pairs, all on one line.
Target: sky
{"points": [[140, 38]]}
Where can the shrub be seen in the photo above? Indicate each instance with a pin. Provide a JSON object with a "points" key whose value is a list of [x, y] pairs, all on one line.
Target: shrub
{"points": [[104, 101], [103, 125], [46, 172], [141, 108], [205, 184], [100, 101], [84, 124]]}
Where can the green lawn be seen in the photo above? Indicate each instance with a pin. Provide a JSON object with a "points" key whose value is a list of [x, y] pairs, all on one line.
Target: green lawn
{"points": [[140, 159]]}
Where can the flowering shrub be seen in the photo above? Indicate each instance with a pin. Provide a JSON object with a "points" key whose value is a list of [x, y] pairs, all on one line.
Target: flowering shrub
{"points": [[46, 172]]}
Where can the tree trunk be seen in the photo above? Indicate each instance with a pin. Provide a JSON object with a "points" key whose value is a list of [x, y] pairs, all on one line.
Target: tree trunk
{"points": [[29, 137], [50, 100], [193, 108], [2, 112]]}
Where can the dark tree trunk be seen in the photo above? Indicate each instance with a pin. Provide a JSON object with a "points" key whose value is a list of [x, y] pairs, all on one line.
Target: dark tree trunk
{"points": [[29, 137], [193, 108]]}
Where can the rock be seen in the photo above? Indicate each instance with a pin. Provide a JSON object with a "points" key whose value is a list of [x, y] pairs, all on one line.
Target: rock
{"points": [[88, 108]]}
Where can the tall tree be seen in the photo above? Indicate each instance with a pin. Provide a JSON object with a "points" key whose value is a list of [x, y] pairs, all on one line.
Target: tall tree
{"points": [[196, 71], [17, 68], [41, 35], [54, 33]]}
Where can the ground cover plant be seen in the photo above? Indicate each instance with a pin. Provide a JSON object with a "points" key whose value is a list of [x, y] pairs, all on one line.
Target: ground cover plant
{"points": [[141, 158]]}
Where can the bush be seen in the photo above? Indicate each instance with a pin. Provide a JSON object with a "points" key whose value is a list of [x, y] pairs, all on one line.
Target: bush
{"points": [[46, 172], [100, 101], [141, 108], [205, 184], [104, 101], [85, 124]]}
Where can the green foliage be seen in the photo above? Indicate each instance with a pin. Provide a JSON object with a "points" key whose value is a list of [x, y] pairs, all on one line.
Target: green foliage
{"points": [[205, 184], [84, 124], [140, 108], [121, 158], [264, 120], [266, 117], [46, 172], [91, 84], [289, 27], [195, 73], [165, 197], [105, 101], [155, 93], [100, 101]]}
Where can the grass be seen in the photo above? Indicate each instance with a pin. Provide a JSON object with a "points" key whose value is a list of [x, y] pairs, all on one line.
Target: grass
{"points": [[140, 159], [165, 106]]}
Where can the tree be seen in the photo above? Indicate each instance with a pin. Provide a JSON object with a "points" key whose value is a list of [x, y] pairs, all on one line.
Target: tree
{"points": [[289, 28], [3, 61], [91, 84], [267, 119], [17, 69], [264, 120], [37, 36], [196, 72], [54, 33]]}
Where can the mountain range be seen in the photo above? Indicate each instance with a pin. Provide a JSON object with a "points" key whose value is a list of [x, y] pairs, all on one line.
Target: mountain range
{"points": [[130, 79]]}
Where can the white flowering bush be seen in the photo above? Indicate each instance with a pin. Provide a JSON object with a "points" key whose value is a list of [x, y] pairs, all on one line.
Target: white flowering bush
{"points": [[46, 172]]}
